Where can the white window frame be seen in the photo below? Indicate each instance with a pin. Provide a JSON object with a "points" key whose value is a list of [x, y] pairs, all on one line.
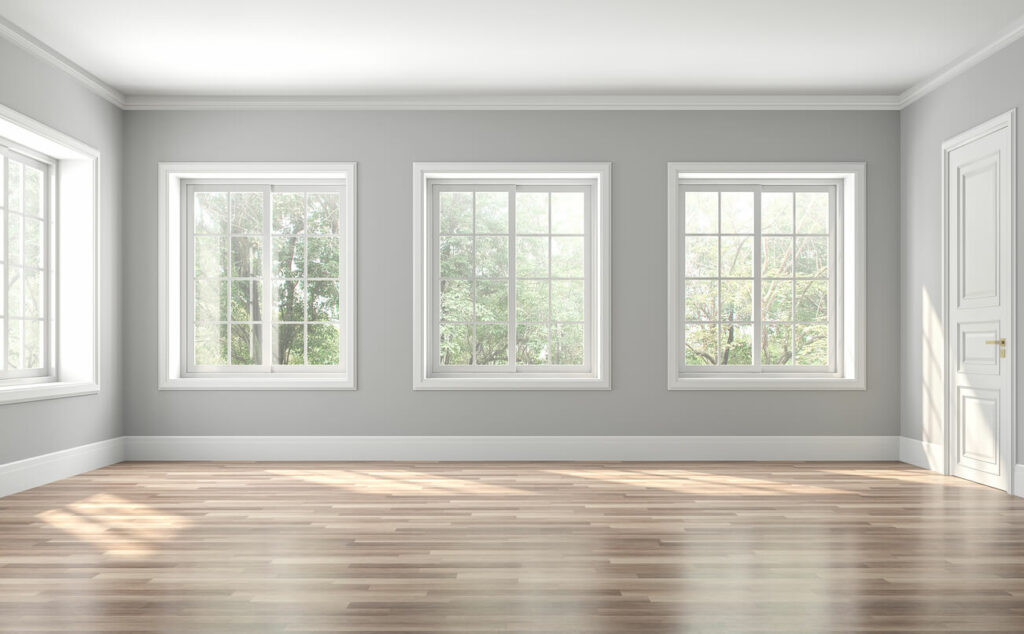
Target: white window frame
{"points": [[594, 373], [175, 319], [847, 292], [72, 344]]}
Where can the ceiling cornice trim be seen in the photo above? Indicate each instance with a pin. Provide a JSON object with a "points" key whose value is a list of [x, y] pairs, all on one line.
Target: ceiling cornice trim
{"points": [[19, 37], [965, 63]]}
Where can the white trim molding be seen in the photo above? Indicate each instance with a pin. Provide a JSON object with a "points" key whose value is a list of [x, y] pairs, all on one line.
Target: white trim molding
{"points": [[921, 453], [29, 473], [481, 448]]}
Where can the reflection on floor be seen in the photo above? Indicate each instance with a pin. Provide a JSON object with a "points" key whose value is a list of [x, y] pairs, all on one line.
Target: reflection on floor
{"points": [[511, 547]]}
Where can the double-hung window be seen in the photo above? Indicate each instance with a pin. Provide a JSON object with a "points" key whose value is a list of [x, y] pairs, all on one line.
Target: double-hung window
{"points": [[761, 292], [511, 267]]}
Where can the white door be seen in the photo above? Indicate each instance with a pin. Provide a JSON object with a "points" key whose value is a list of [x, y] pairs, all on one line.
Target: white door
{"points": [[979, 198]]}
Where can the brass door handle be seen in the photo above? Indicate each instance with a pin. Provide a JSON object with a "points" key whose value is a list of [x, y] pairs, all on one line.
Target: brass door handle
{"points": [[1002, 346]]}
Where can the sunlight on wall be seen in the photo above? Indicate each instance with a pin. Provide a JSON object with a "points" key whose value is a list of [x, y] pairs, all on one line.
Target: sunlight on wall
{"points": [[933, 351], [396, 482]]}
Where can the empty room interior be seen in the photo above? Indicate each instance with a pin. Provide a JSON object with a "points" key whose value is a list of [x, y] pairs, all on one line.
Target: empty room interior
{"points": [[533, 317]]}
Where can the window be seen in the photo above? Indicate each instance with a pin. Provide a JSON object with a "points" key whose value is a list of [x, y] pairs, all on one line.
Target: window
{"points": [[512, 263], [760, 292], [266, 265]]}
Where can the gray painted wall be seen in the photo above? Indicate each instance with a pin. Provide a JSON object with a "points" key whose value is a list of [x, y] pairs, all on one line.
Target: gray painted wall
{"points": [[990, 88], [46, 94], [385, 144]]}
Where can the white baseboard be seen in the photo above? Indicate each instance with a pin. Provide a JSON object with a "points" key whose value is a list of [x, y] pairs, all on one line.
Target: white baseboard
{"points": [[39, 470], [1018, 480], [920, 453], [511, 448]]}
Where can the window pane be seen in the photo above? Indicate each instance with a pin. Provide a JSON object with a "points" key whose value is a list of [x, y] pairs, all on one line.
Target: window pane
{"points": [[812, 257], [246, 212], [812, 301], [14, 238], [735, 346], [33, 242], [701, 344], [324, 341], [246, 300], [776, 257], [211, 256], [14, 171], [532, 300], [324, 301], [532, 344], [567, 257], [14, 358], [456, 300], [289, 257], [246, 344], [531, 257], [531, 212], [211, 300], [777, 344], [456, 344], [456, 212], [33, 294], [290, 301], [492, 301], [211, 344], [491, 344], [456, 257], [701, 300], [14, 297], [567, 300], [33, 195], [737, 256], [211, 212], [777, 212], [737, 300], [288, 210], [492, 212], [812, 212], [33, 345], [567, 212], [811, 345], [567, 344], [246, 257], [737, 212], [323, 256], [777, 300], [701, 212], [288, 344], [323, 213], [701, 257], [492, 256]]}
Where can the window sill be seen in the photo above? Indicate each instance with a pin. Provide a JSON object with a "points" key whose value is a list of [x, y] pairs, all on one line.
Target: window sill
{"points": [[43, 391], [547, 382], [279, 382], [766, 383]]}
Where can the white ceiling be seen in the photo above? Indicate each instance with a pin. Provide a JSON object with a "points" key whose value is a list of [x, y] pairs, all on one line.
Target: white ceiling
{"points": [[521, 47]]}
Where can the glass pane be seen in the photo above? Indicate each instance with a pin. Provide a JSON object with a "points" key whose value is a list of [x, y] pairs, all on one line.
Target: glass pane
{"points": [[14, 171], [324, 344], [532, 344], [701, 212], [211, 256], [246, 212], [246, 257], [811, 345], [456, 257], [33, 193], [33, 294], [777, 212], [532, 300], [33, 242], [737, 300], [737, 256], [14, 344], [737, 212], [456, 212], [289, 301], [776, 257], [323, 256], [812, 212], [567, 344], [735, 346], [246, 300], [14, 303], [492, 212], [456, 344], [288, 344], [33, 345], [491, 344], [14, 238], [289, 257], [288, 210], [812, 301], [702, 257], [492, 256], [211, 344], [456, 300], [567, 257], [210, 211], [777, 300], [531, 212], [492, 301], [567, 212], [323, 214], [701, 344], [211, 300], [701, 300], [324, 301], [812, 257], [246, 344], [531, 257], [567, 300], [777, 344]]}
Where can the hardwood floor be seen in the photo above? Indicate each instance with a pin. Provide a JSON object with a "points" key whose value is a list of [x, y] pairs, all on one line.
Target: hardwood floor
{"points": [[511, 547]]}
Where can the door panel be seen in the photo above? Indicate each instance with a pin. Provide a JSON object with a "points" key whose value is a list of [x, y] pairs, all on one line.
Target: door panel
{"points": [[979, 217]]}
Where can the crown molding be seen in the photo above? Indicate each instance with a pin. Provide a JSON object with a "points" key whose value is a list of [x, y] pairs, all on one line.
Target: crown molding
{"points": [[965, 63]]}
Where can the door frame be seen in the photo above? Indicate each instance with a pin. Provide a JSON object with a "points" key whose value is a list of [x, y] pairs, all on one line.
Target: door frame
{"points": [[1006, 120]]}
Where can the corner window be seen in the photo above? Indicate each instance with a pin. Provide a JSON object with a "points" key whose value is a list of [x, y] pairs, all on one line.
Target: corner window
{"points": [[512, 266], [763, 276]]}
